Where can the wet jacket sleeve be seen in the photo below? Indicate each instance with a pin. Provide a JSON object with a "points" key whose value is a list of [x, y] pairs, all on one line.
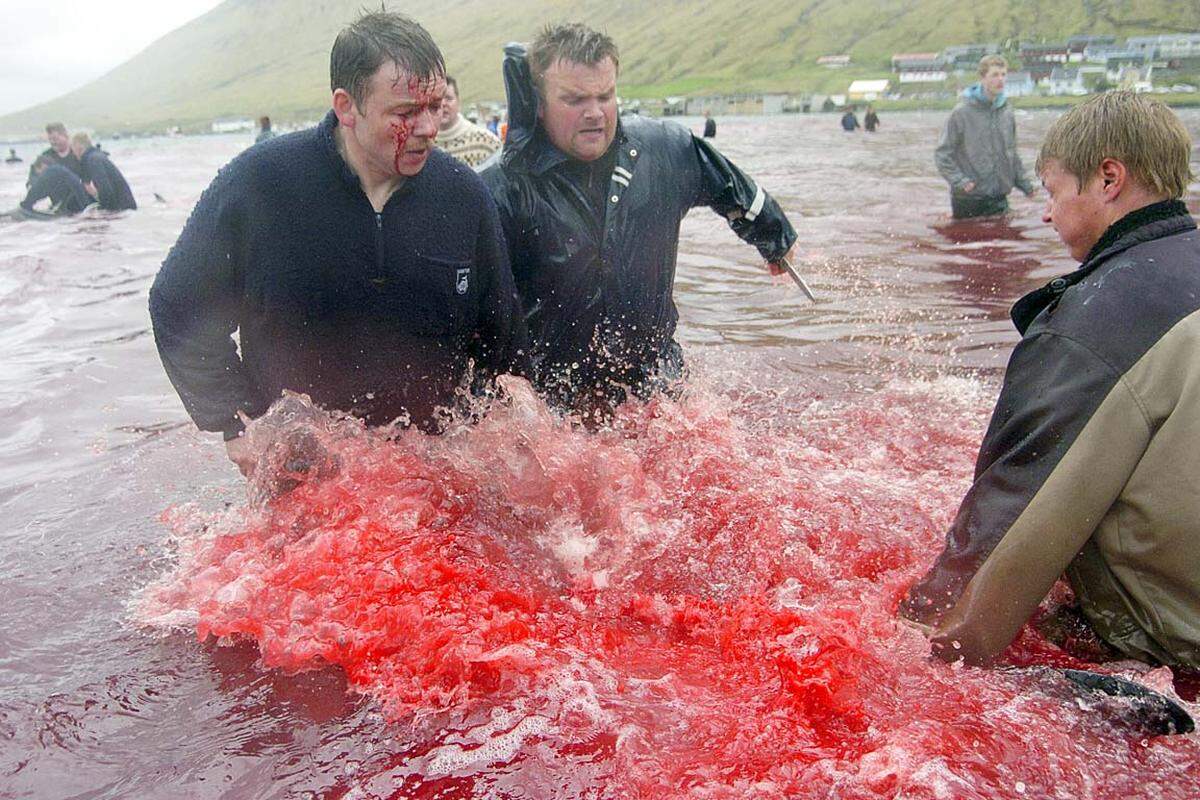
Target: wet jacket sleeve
{"points": [[503, 344], [752, 213], [1058, 451], [38, 190], [194, 307], [948, 147]]}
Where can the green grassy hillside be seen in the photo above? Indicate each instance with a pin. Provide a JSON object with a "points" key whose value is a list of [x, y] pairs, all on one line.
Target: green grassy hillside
{"points": [[249, 57]]}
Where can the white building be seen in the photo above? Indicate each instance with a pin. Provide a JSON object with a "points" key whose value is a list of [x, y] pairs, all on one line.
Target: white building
{"points": [[1165, 46], [1019, 84], [868, 90]]}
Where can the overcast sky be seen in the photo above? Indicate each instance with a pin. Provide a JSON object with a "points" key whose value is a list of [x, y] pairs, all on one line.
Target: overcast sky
{"points": [[49, 47]]}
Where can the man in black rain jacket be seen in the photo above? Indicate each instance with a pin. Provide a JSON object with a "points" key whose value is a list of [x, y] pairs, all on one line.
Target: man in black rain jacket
{"points": [[591, 208]]}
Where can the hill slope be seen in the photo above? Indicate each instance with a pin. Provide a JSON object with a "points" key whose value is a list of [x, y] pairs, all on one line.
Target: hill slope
{"points": [[248, 57]]}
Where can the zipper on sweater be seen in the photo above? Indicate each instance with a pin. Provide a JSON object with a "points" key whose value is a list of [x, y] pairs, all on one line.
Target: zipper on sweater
{"points": [[378, 277]]}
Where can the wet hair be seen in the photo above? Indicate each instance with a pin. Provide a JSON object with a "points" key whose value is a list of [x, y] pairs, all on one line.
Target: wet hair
{"points": [[994, 60], [264, 123], [56, 127], [1141, 133], [569, 41], [81, 138], [377, 38], [451, 82]]}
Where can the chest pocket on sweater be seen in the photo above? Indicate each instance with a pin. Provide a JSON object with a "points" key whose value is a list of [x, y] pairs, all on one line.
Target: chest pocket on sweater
{"points": [[433, 296]]}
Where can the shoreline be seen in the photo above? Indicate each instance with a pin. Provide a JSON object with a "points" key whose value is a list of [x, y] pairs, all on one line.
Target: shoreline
{"points": [[1031, 103]]}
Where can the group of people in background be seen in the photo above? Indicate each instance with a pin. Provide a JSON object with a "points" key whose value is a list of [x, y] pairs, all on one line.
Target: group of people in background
{"points": [[850, 120], [72, 174]]}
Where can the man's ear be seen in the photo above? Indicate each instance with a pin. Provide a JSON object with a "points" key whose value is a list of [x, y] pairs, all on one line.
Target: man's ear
{"points": [[345, 108], [1113, 178]]}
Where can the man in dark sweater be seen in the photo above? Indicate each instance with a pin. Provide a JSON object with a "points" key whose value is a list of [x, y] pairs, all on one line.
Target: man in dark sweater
{"points": [[101, 177], [59, 152], [63, 188], [358, 264], [1091, 464]]}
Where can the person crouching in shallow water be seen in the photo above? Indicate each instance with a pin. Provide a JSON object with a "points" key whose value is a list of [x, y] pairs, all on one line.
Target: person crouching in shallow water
{"points": [[977, 153], [101, 177], [60, 185], [1091, 463], [591, 207], [358, 264]]}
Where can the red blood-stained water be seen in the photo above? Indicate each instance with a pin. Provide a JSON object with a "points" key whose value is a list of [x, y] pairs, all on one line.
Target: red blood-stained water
{"points": [[698, 602]]}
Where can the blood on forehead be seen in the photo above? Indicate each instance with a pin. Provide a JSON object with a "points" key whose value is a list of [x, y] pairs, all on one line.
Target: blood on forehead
{"points": [[420, 90]]}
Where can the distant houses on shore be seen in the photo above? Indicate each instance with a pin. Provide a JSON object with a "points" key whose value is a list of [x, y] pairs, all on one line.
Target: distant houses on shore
{"points": [[1078, 66]]}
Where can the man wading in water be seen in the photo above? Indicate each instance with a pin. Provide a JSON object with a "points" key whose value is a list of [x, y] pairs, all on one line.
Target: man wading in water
{"points": [[358, 264], [591, 208], [977, 154], [1091, 464]]}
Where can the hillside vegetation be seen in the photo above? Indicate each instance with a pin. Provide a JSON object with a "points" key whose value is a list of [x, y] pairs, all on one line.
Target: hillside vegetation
{"points": [[249, 57]]}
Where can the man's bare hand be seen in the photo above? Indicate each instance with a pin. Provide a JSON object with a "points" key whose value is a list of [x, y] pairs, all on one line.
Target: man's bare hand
{"points": [[239, 453], [776, 267], [968, 187], [90, 188]]}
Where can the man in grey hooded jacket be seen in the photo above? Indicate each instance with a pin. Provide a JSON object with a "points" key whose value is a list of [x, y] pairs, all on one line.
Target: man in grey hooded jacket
{"points": [[977, 153]]}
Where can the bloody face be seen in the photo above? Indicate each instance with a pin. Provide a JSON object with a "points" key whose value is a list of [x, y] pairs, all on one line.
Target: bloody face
{"points": [[394, 127], [579, 107], [1077, 214]]}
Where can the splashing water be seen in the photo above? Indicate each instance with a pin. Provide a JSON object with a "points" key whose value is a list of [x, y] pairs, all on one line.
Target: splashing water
{"points": [[695, 602]]}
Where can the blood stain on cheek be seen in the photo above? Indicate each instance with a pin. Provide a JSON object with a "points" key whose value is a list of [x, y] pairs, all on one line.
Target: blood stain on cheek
{"points": [[400, 133], [425, 98]]}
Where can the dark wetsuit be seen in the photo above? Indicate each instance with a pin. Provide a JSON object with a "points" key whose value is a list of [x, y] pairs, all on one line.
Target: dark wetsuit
{"points": [[114, 193], [69, 161], [63, 187]]}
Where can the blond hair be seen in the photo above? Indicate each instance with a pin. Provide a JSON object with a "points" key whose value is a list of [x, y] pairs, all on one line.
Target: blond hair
{"points": [[81, 139], [1141, 133], [994, 60]]}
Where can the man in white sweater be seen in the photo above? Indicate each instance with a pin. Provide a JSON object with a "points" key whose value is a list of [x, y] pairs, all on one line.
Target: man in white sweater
{"points": [[458, 136]]}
